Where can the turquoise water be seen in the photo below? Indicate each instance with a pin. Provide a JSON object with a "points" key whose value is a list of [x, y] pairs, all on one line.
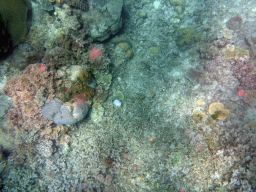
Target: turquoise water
{"points": [[118, 95]]}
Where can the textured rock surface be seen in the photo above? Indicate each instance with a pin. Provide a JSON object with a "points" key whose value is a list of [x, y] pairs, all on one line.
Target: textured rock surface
{"points": [[108, 20]]}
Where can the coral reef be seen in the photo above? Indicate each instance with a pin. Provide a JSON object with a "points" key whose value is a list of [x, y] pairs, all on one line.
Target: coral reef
{"points": [[46, 5], [104, 80], [101, 94], [126, 48], [118, 95], [148, 127], [97, 57]]}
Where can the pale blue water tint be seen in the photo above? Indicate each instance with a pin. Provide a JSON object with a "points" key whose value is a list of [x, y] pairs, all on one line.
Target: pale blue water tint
{"points": [[128, 95]]}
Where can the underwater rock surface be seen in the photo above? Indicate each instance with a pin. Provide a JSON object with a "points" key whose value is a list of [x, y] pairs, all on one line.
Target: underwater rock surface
{"points": [[108, 20], [14, 17]]}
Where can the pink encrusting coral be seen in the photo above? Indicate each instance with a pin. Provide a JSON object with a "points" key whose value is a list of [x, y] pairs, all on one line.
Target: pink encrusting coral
{"points": [[95, 54], [241, 93], [80, 99], [97, 57]]}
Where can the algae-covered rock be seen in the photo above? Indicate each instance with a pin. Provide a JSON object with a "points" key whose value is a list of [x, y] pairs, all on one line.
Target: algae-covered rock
{"points": [[46, 5], [15, 14], [107, 20], [178, 2], [180, 5], [118, 95], [104, 80], [14, 25], [188, 36], [97, 112], [124, 46]]}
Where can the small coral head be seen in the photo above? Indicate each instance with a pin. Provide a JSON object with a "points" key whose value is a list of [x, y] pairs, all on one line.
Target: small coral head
{"points": [[95, 54], [241, 93], [80, 99], [42, 68]]}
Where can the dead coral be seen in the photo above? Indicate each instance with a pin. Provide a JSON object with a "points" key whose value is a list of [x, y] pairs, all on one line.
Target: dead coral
{"points": [[234, 23]]}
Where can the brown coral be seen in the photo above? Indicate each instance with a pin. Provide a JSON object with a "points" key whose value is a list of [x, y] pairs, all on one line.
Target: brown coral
{"points": [[250, 98], [217, 111], [234, 23]]}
